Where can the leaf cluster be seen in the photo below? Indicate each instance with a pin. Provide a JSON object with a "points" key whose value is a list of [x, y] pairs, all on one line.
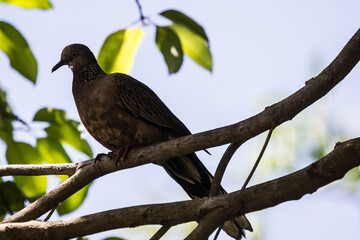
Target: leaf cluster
{"points": [[183, 36], [117, 54]]}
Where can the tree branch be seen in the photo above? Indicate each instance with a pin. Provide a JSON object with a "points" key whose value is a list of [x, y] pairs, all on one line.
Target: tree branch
{"points": [[240, 132], [258, 159], [38, 169], [142, 18], [160, 232], [220, 170], [333, 166]]}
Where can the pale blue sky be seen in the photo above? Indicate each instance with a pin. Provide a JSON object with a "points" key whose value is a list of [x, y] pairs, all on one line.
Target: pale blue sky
{"points": [[263, 51]]}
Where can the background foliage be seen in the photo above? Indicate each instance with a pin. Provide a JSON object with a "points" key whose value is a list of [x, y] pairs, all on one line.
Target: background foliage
{"points": [[52, 137]]}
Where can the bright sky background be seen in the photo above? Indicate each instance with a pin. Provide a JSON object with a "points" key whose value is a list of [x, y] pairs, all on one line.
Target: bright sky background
{"points": [[263, 51]]}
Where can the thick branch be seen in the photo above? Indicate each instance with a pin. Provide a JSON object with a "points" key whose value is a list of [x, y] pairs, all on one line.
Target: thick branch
{"points": [[334, 166], [271, 117]]}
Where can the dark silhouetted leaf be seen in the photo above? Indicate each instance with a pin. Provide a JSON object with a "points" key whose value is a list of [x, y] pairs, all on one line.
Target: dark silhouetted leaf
{"points": [[118, 51], [6, 117], [18, 51], [181, 19], [11, 198], [169, 44]]}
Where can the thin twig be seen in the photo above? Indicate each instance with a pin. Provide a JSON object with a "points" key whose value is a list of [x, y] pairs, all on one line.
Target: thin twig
{"points": [[160, 232], [142, 18], [50, 214], [218, 232], [258, 159], [215, 185], [207, 224]]}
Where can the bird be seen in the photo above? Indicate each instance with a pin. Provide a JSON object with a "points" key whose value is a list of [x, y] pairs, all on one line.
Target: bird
{"points": [[119, 111]]}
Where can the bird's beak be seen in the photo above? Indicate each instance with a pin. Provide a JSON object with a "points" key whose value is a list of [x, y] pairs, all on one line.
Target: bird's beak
{"points": [[59, 64]]}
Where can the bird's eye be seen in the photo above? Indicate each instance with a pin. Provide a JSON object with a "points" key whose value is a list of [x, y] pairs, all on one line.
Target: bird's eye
{"points": [[75, 54]]}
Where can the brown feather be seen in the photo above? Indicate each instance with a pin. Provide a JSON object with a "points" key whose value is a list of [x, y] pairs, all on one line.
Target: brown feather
{"points": [[118, 110]]}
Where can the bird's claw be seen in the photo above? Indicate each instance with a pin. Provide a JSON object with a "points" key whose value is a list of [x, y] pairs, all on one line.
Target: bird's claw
{"points": [[122, 152], [100, 155]]}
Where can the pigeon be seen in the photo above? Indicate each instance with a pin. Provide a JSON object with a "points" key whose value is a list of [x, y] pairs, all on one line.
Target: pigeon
{"points": [[121, 112]]}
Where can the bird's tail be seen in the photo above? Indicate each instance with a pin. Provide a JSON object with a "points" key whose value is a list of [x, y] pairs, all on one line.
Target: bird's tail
{"points": [[195, 179]]}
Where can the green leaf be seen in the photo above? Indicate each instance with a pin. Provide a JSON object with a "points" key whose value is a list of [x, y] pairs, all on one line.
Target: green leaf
{"points": [[169, 44], [11, 198], [118, 50], [18, 51], [51, 115], [73, 202], [63, 130], [23, 153], [52, 152], [69, 134], [6, 118], [194, 45], [181, 19], [43, 4]]}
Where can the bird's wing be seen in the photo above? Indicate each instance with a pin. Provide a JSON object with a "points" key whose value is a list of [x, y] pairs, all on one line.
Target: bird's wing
{"points": [[139, 100]]}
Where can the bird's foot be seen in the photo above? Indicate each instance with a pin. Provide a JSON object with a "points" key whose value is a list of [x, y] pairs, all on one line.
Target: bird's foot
{"points": [[122, 152], [100, 155]]}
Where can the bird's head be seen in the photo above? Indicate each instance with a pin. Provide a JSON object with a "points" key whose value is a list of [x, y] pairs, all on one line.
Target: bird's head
{"points": [[76, 56]]}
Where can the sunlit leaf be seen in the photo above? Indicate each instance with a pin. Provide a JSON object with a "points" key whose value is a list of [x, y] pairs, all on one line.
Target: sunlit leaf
{"points": [[63, 130], [73, 202], [69, 134], [43, 4], [52, 152], [18, 51], [169, 44], [181, 19], [194, 45], [118, 51], [51, 115], [23, 153], [11, 198]]}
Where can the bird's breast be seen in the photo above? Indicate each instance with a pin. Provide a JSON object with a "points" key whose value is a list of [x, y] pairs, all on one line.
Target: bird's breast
{"points": [[102, 118]]}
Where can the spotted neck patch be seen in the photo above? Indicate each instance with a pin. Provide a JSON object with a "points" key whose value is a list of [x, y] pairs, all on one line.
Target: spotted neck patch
{"points": [[91, 73]]}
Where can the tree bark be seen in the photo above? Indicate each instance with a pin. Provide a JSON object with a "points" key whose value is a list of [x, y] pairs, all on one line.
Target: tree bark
{"points": [[291, 187]]}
